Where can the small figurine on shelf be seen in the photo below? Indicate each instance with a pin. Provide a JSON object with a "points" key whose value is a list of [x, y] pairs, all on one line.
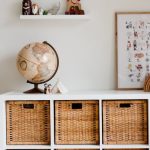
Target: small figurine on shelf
{"points": [[55, 9], [41, 11], [47, 88], [35, 9], [45, 12], [59, 88], [74, 8], [26, 7]]}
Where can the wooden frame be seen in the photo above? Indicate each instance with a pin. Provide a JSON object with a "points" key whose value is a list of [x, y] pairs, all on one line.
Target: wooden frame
{"points": [[133, 49]]}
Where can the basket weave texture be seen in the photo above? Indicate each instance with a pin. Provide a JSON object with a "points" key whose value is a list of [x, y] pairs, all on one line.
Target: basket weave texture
{"points": [[129, 149], [28, 122], [77, 122], [125, 122]]}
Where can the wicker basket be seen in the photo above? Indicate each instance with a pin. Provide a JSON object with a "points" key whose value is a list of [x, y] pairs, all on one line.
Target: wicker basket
{"points": [[125, 122], [128, 149], [28, 122], [77, 149], [77, 122]]}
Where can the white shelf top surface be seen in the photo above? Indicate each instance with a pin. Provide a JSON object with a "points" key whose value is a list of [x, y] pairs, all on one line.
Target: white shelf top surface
{"points": [[75, 146], [54, 17], [105, 94], [19, 147]]}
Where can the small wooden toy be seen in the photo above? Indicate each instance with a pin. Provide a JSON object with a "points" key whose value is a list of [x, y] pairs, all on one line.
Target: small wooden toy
{"points": [[47, 88], [26, 7], [147, 83], [35, 9], [74, 8]]}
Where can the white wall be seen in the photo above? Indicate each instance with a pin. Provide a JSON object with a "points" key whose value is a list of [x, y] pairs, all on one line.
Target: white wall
{"points": [[86, 48]]}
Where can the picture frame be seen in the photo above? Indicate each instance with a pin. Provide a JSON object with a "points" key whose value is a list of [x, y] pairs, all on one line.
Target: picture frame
{"points": [[133, 49]]}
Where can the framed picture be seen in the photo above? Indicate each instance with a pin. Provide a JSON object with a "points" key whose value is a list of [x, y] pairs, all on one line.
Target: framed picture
{"points": [[133, 49]]}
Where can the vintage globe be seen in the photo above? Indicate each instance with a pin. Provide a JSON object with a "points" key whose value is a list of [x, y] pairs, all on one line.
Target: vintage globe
{"points": [[37, 62]]}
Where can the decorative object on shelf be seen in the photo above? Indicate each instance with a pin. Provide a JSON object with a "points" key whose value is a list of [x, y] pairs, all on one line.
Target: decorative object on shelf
{"points": [[41, 11], [26, 7], [45, 12], [47, 88], [35, 9], [38, 63], [133, 49], [147, 83], [59, 88], [74, 8], [55, 9]]}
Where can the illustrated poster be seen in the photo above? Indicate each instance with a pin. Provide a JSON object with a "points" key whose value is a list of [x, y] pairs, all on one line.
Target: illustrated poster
{"points": [[133, 43]]}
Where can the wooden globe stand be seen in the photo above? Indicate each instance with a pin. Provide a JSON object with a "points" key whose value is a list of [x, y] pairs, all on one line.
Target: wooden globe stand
{"points": [[147, 83], [35, 89]]}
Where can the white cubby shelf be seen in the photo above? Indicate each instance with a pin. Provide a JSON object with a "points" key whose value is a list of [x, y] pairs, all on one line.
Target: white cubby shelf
{"points": [[99, 96], [54, 17]]}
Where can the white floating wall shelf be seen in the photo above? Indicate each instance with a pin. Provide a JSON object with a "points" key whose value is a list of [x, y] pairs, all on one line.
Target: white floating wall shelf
{"points": [[54, 17]]}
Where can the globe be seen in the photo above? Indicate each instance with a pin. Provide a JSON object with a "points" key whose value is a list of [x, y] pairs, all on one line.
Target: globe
{"points": [[38, 63]]}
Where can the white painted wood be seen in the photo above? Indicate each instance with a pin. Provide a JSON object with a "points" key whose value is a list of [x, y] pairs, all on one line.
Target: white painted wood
{"points": [[100, 121], [125, 146], [2, 123], [27, 147], [76, 146], [76, 95], [52, 122], [54, 17], [139, 94]]}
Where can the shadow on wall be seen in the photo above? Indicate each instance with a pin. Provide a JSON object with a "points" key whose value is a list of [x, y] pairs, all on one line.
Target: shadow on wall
{"points": [[9, 76]]}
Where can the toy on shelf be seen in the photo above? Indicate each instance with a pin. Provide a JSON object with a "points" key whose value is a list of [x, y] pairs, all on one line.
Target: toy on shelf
{"points": [[41, 11], [59, 88], [26, 7], [47, 88], [74, 8], [147, 83], [35, 9], [54, 10]]}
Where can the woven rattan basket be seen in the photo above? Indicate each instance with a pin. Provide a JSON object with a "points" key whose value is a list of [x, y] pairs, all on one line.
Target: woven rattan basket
{"points": [[125, 122], [77, 122], [77, 149], [129, 149], [28, 122]]}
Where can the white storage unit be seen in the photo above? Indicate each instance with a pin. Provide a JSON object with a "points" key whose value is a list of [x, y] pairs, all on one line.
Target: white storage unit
{"points": [[80, 95]]}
